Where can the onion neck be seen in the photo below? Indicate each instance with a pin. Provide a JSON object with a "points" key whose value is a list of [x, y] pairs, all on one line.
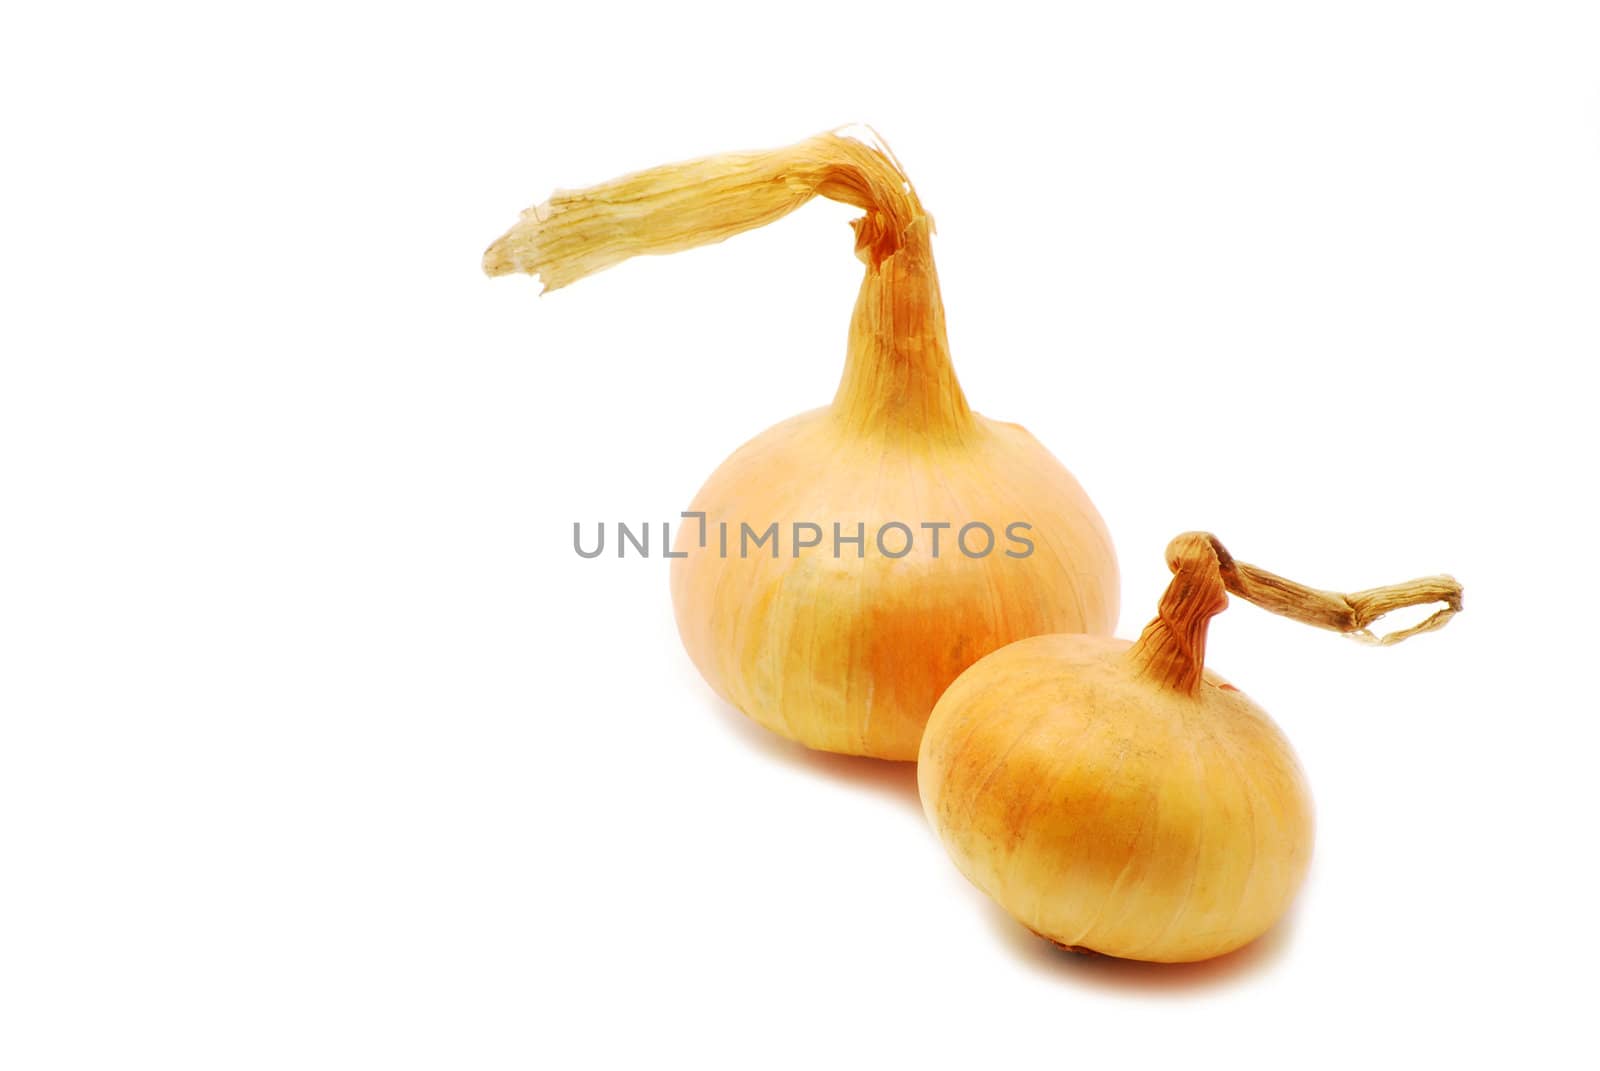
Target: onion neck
{"points": [[898, 376], [1172, 649]]}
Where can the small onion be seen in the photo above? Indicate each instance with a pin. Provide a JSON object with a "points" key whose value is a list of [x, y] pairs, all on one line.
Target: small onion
{"points": [[1120, 798]]}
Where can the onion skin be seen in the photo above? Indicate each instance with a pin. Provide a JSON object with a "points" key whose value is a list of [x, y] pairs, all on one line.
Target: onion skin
{"points": [[846, 653], [1108, 813], [850, 655]]}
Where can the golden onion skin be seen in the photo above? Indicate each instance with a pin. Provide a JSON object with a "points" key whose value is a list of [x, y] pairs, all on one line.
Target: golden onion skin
{"points": [[849, 654], [1106, 811]]}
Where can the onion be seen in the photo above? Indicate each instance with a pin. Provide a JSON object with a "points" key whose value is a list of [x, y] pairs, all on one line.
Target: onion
{"points": [[846, 646], [1118, 797]]}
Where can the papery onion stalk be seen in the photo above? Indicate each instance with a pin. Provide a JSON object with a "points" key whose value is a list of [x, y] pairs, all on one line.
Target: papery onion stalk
{"points": [[840, 648], [1119, 797]]}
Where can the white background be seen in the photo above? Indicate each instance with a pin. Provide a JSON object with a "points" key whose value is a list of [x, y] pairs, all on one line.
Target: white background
{"points": [[321, 748]]}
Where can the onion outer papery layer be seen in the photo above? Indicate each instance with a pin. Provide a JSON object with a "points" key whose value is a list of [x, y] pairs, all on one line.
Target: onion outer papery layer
{"points": [[1103, 815], [850, 653]]}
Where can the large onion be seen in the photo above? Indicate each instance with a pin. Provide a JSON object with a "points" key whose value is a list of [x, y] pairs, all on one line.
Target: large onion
{"points": [[846, 647]]}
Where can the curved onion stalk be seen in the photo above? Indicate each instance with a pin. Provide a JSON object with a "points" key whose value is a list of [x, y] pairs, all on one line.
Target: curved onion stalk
{"points": [[1119, 797], [845, 645]]}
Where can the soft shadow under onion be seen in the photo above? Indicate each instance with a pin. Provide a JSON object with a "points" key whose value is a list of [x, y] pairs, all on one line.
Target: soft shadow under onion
{"points": [[891, 780], [1093, 970]]}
